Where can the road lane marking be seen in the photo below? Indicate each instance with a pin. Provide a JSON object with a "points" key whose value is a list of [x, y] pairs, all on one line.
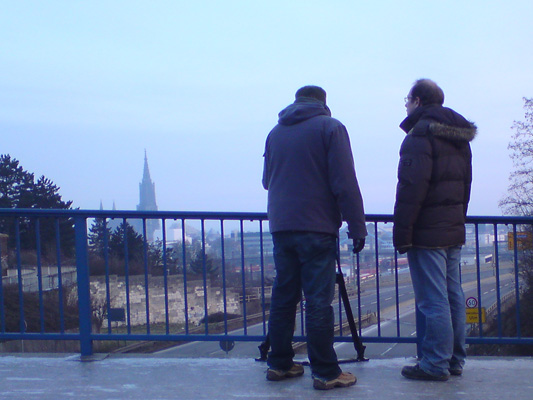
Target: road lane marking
{"points": [[389, 349]]}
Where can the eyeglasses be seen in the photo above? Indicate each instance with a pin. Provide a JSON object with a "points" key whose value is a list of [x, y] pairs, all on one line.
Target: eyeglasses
{"points": [[407, 99]]}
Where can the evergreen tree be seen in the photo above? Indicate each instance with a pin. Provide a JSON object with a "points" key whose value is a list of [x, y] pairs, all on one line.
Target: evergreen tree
{"points": [[156, 258], [15, 184], [99, 234], [197, 265], [19, 189], [125, 234]]}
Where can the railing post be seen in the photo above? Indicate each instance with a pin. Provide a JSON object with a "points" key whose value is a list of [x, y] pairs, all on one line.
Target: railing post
{"points": [[84, 298]]}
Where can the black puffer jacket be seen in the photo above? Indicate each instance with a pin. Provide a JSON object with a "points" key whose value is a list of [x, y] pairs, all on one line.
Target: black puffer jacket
{"points": [[434, 179]]}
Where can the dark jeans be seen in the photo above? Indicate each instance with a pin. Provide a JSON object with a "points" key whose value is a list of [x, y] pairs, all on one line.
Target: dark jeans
{"points": [[304, 261]]}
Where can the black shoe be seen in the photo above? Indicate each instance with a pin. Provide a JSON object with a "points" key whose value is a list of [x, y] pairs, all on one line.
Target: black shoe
{"points": [[456, 371], [415, 372]]}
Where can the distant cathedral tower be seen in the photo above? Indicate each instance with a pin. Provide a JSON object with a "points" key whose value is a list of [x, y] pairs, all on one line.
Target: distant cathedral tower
{"points": [[147, 201]]}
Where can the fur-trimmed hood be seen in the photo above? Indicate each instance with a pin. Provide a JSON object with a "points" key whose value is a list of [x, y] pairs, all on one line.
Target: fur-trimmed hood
{"points": [[441, 122], [453, 133]]}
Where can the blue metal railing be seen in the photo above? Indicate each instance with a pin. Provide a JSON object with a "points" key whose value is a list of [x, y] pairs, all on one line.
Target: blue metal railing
{"points": [[204, 265]]}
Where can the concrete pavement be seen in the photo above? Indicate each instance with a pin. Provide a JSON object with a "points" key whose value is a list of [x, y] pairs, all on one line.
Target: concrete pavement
{"points": [[58, 377]]}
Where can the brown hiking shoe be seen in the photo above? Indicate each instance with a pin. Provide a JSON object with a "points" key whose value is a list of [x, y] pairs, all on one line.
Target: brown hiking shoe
{"points": [[279, 374], [345, 379]]}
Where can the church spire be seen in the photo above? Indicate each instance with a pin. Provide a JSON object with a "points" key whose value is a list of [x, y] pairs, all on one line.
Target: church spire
{"points": [[147, 200], [146, 171]]}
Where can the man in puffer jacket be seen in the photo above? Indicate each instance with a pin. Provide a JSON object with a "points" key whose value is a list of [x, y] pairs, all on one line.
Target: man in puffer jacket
{"points": [[310, 177], [434, 179]]}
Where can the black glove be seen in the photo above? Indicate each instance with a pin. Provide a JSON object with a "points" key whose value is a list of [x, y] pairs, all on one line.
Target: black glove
{"points": [[358, 245], [403, 249]]}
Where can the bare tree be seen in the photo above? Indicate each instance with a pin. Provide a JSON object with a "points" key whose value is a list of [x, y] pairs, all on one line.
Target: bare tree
{"points": [[99, 310], [519, 200]]}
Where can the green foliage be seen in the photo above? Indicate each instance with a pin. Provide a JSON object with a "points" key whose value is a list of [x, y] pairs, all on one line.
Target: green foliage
{"points": [[219, 317], [509, 329], [19, 189], [124, 240], [99, 235], [16, 184], [32, 318], [156, 258], [177, 257], [199, 264]]}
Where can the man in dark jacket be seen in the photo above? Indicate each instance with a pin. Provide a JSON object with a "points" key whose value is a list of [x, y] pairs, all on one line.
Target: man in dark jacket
{"points": [[434, 178], [310, 177]]}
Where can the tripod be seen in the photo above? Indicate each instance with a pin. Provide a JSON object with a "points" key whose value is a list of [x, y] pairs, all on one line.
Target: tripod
{"points": [[358, 344]]}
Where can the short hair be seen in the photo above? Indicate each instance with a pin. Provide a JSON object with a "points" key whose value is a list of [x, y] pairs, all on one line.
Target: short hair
{"points": [[428, 92], [315, 92]]}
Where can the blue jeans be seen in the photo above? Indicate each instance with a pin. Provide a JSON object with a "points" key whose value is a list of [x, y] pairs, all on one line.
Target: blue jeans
{"points": [[304, 261], [439, 296]]}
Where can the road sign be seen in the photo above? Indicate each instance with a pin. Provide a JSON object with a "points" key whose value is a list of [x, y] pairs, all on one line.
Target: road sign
{"points": [[471, 302], [524, 241], [227, 345], [472, 315], [117, 315]]}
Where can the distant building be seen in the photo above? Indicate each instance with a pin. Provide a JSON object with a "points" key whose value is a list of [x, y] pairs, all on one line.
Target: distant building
{"points": [[112, 223], [147, 202], [252, 243]]}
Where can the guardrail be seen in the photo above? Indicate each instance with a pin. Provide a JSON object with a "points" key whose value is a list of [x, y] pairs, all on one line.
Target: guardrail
{"points": [[167, 276]]}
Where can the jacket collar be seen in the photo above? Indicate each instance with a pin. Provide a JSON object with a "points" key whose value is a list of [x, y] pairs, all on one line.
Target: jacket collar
{"points": [[435, 113]]}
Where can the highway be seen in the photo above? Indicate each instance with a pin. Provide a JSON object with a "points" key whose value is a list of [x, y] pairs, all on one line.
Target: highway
{"points": [[388, 325]]}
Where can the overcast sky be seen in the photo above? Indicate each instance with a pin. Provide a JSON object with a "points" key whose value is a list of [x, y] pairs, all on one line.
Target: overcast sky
{"points": [[87, 86]]}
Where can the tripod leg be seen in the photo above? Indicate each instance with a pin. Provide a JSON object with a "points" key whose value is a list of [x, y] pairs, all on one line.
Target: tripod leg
{"points": [[263, 349], [358, 344]]}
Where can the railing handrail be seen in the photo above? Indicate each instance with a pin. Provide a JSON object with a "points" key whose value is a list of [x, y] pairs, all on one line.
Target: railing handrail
{"points": [[81, 218], [207, 215], [87, 213]]}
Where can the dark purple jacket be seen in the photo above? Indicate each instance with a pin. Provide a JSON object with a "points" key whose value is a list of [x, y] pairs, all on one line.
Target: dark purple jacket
{"points": [[309, 173], [434, 179]]}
